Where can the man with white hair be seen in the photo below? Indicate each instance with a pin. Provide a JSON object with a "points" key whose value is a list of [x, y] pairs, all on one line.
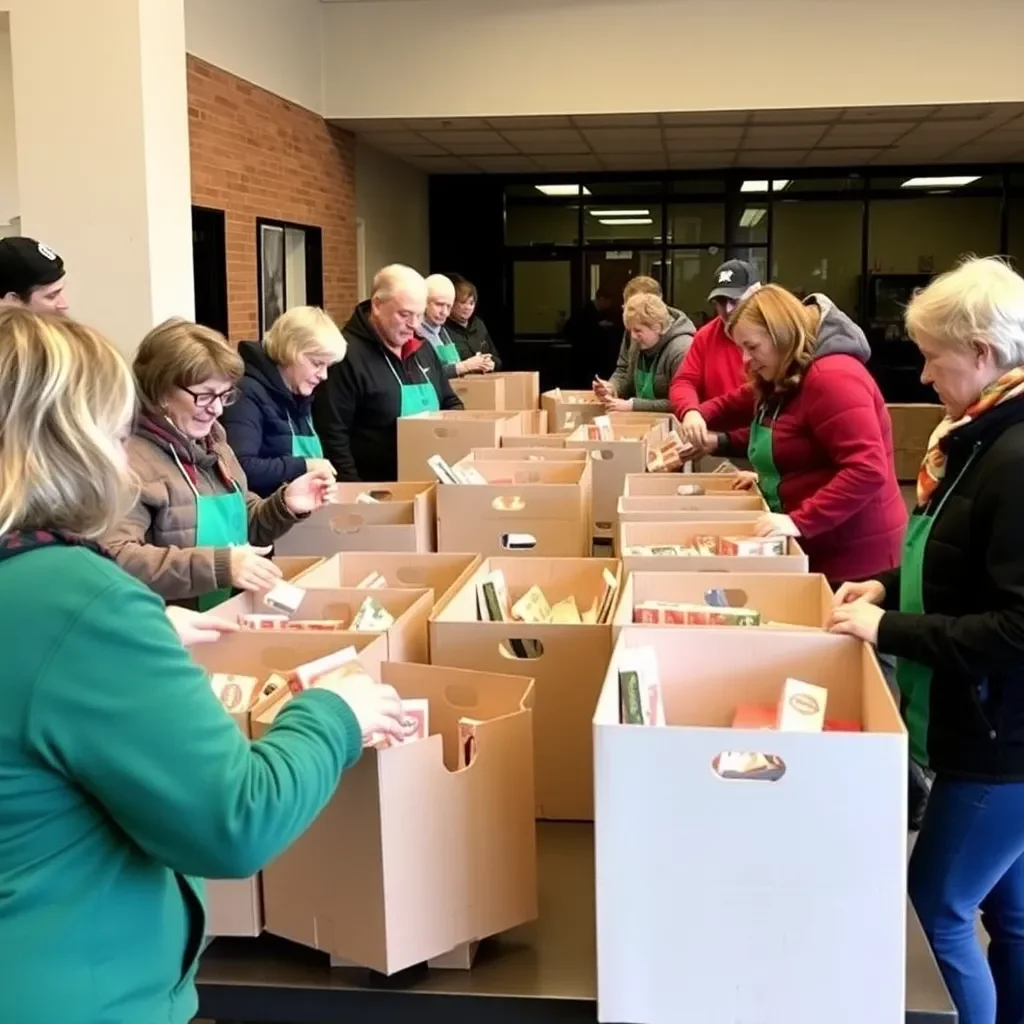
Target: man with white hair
{"points": [[387, 373], [440, 299]]}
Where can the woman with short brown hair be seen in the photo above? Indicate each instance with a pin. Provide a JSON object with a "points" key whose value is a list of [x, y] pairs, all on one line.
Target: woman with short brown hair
{"points": [[196, 530]]}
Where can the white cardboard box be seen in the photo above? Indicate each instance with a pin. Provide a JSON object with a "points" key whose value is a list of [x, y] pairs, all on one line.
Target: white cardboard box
{"points": [[770, 902]]}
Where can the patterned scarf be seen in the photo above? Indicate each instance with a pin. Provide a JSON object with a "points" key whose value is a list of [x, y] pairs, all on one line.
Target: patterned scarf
{"points": [[933, 468]]}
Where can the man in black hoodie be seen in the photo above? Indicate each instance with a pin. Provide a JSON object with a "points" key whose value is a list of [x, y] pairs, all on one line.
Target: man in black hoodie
{"points": [[388, 373]]}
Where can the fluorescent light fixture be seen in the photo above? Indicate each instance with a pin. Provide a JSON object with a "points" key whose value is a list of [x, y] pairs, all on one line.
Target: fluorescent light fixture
{"points": [[752, 216], [619, 213], [762, 186], [627, 220], [950, 181], [562, 190]]}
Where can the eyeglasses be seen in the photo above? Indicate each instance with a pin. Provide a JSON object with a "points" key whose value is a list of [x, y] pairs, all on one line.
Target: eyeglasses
{"points": [[204, 399]]}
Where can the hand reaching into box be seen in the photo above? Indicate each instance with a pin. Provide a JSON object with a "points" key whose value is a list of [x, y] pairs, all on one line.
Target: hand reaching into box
{"points": [[377, 706]]}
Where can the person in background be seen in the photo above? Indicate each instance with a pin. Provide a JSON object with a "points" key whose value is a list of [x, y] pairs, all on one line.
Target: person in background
{"points": [[32, 275], [594, 334], [468, 331], [122, 780], [388, 373], [270, 426], [953, 615], [660, 338], [714, 366], [816, 430], [196, 530], [440, 299]]}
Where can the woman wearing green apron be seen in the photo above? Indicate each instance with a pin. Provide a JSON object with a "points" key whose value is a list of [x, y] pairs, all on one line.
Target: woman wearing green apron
{"points": [[953, 615], [196, 531], [659, 340], [270, 427]]}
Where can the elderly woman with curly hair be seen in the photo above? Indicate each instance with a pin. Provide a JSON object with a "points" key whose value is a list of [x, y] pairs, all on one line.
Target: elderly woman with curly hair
{"points": [[953, 615]]}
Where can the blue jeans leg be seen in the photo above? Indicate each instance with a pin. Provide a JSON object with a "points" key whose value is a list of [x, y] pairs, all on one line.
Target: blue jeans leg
{"points": [[970, 853]]}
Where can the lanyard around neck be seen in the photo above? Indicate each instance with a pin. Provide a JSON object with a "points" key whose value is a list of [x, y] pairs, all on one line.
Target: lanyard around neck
{"points": [[188, 479], [426, 379]]}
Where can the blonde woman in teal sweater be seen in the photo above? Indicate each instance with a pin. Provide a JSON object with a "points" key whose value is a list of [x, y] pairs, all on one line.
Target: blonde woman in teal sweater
{"points": [[122, 780]]}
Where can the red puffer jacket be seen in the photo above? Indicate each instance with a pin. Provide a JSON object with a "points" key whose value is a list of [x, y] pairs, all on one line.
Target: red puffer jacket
{"points": [[832, 446]]}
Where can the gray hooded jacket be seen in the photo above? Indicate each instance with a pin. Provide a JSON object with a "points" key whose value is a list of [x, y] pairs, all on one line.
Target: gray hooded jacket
{"points": [[664, 358]]}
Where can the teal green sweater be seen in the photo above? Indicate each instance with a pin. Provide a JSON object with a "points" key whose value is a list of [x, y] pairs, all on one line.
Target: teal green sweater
{"points": [[121, 781]]}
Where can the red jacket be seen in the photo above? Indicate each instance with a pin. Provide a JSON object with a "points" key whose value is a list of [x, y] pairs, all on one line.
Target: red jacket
{"points": [[832, 447], [712, 367]]}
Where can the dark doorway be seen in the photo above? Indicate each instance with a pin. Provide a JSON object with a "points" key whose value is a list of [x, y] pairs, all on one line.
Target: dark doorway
{"points": [[210, 268]]}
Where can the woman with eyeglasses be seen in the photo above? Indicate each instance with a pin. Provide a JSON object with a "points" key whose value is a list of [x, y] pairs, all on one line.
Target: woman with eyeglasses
{"points": [[196, 531], [270, 427]]}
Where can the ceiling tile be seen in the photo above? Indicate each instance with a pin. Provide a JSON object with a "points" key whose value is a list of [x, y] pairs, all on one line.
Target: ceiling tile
{"points": [[382, 139], [406, 149], [986, 152], [557, 141], [814, 116], [839, 157], [1014, 127], [705, 117], [782, 137], [700, 161], [503, 164], [942, 131], [472, 138], [444, 124], [490, 147], [615, 120], [703, 138], [367, 124], [964, 111], [871, 133], [621, 140], [887, 113], [567, 163], [442, 165], [770, 157], [909, 154], [540, 121], [634, 161]]}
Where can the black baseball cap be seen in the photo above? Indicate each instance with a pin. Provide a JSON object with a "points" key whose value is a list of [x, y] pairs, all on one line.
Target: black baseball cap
{"points": [[26, 264], [732, 279]]}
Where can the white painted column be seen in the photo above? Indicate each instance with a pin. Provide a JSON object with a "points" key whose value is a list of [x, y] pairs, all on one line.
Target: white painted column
{"points": [[101, 124]]}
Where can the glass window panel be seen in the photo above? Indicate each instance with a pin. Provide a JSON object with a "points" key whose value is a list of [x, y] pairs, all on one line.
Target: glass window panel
{"points": [[701, 186], [648, 189], [623, 222], [929, 235], [816, 248], [294, 267], [692, 277], [613, 269], [542, 292], [751, 223], [839, 183], [756, 254], [541, 224], [985, 181], [696, 224]]}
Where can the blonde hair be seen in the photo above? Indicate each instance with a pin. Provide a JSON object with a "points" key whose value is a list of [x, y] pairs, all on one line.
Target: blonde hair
{"points": [[302, 330], [646, 310], [65, 395], [181, 354], [792, 328], [981, 300], [641, 286]]}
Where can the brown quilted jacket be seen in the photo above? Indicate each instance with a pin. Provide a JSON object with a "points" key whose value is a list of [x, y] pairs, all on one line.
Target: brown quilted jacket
{"points": [[156, 542]]}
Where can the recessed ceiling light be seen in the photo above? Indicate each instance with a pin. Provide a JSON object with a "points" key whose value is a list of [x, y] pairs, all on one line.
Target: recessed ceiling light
{"points": [[752, 216], [950, 181], [619, 213], [762, 186], [562, 190], [627, 220]]}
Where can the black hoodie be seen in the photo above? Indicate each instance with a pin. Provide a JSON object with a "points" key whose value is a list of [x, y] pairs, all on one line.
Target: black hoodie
{"points": [[357, 408], [260, 424]]}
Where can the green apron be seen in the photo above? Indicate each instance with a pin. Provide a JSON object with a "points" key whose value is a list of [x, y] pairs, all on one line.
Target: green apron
{"points": [[416, 398], [759, 451], [643, 381], [305, 446], [913, 678], [447, 352], [222, 521]]}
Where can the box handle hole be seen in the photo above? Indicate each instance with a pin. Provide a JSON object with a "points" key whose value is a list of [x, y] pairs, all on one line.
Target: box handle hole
{"points": [[748, 766], [518, 541], [516, 649], [508, 503]]}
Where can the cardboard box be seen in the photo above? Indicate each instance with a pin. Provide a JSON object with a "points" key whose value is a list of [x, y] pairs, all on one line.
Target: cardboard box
{"points": [[568, 669], [406, 638], [413, 856], [234, 906], [531, 440], [294, 565], [646, 485], [480, 391], [441, 573], [546, 502], [568, 409], [451, 434], [542, 453], [404, 518], [522, 389], [645, 534], [731, 507], [612, 461], [784, 601], [743, 899], [912, 427]]}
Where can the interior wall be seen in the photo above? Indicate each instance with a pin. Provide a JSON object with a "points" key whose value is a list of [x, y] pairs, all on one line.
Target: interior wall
{"points": [[392, 202], [579, 56], [254, 155], [10, 203], [275, 44]]}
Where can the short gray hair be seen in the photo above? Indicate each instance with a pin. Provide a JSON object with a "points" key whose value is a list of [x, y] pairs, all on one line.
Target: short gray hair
{"points": [[395, 278], [981, 300], [438, 283]]}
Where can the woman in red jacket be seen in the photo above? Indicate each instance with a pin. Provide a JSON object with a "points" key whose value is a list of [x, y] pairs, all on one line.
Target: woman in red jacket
{"points": [[815, 428]]}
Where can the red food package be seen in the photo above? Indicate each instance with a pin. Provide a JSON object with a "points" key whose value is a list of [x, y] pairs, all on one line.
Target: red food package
{"points": [[754, 716], [841, 725]]}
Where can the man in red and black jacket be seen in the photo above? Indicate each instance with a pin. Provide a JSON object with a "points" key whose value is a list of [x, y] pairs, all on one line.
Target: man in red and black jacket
{"points": [[713, 366], [387, 373]]}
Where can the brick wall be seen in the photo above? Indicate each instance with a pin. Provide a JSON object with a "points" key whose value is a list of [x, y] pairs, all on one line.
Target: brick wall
{"points": [[257, 155]]}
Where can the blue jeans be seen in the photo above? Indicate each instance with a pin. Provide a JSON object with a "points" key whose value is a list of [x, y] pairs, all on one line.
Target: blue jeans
{"points": [[970, 854]]}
